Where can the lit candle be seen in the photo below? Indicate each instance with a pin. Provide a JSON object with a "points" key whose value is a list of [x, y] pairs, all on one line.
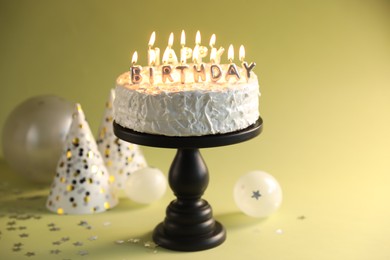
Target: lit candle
{"points": [[135, 70], [219, 52], [155, 51], [183, 58], [202, 49], [152, 60], [215, 69], [172, 58], [166, 68], [232, 69], [245, 65], [199, 70]]}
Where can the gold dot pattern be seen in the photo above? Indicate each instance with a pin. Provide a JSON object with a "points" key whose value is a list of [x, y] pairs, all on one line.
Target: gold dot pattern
{"points": [[82, 183], [121, 158]]}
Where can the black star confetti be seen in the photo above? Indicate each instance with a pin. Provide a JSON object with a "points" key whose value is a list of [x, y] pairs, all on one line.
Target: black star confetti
{"points": [[64, 239], [55, 252], [23, 235], [57, 243], [78, 243], [256, 194], [30, 254]]}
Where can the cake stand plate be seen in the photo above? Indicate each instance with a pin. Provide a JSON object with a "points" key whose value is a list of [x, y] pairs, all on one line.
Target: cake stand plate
{"points": [[189, 224]]}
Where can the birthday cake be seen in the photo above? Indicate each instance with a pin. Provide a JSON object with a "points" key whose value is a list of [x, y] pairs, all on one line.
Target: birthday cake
{"points": [[180, 99]]}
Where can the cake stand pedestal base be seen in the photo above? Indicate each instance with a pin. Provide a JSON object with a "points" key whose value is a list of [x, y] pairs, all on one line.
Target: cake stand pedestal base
{"points": [[189, 224]]}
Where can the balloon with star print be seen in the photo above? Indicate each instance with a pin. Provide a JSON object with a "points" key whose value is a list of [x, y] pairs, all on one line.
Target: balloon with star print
{"points": [[121, 158], [257, 194], [82, 183]]}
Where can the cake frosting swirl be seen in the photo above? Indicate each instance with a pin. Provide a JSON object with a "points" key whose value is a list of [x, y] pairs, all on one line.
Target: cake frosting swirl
{"points": [[186, 109]]}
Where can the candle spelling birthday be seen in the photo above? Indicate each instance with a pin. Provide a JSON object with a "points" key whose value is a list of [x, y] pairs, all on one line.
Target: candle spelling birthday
{"points": [[174, 70]]}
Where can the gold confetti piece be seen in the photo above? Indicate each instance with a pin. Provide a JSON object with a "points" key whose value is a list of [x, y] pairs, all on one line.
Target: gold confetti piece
{"points": [[60, 211], [106, 205], [76, 141], [68, 154]]}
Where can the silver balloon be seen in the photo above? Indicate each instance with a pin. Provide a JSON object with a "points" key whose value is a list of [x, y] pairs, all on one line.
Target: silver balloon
{"points": [[34, 134]]}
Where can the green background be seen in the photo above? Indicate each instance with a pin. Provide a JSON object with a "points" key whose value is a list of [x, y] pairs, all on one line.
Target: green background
{"points": [[324, 72]]}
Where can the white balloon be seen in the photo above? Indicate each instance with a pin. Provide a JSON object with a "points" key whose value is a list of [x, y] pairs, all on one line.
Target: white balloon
{"points": [[146, 185], [34, 134], [258, 194]]}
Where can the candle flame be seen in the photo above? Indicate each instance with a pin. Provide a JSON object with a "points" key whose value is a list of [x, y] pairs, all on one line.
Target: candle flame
{"points": [[242, 53], [152, 39], [170, 40], [212, 40], [197, 38], [195, 54], [134, 58], [183, 38], [231, 53]]}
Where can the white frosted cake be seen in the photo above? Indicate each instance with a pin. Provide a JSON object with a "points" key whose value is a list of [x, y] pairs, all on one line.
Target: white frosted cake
{"points": [[178, 99]]}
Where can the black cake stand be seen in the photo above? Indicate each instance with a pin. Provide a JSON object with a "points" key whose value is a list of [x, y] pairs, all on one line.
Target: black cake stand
{"points": [[189, 224]]}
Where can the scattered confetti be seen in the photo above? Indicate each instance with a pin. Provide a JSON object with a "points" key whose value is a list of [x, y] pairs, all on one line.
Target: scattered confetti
{"points": [[22, 228], [16, 249], [57, 243], [23, 235], [11, 228], [11, 223], [64, 239], [54, 229], [119, 242], [150, 244], [55, 252], [83, 223], [134, 240], [93, 238], [83, 252], [18, 244], [30, 254], [78, 243], [301, 217]]}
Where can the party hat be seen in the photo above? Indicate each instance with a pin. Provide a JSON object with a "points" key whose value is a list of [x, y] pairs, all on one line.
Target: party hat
{"points": [[121, 158], [82, 183]]}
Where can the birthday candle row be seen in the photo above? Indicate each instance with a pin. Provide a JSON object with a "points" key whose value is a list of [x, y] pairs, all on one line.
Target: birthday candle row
{"points": [[197, 53]]}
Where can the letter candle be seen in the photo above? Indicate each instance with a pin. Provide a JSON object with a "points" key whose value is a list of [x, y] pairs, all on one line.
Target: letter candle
{"points": [[152, 60], [201, 49], [199, 72], [232, 69], [183, 58], [245, 64], [185, 52], [155, 51], [215, 69], [171, 56], [218, 53], [135, 70], [166, 68]]}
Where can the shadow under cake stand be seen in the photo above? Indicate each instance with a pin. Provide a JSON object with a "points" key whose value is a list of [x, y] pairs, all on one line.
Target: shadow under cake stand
{"points": [[189, 224]]}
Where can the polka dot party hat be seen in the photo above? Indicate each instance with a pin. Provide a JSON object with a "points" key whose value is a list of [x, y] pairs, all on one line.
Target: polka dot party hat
{"points": [[82, 183], [121, 158]]}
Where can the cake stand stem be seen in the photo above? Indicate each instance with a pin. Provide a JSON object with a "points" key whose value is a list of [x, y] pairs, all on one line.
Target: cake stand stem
{"points": [[189, 224]]}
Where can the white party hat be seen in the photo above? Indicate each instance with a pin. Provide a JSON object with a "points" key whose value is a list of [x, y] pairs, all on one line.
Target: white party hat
{"points": [[121, 158], [82, 183]]}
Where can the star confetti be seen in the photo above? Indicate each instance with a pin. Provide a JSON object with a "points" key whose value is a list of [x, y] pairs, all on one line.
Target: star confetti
{"points": [[93, 238], [55, 252], [83, 252], [78, 243], [30, 254], [23, 235]]}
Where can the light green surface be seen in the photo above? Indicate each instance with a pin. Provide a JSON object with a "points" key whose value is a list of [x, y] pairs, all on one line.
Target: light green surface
{"points": [[324, 71]]}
